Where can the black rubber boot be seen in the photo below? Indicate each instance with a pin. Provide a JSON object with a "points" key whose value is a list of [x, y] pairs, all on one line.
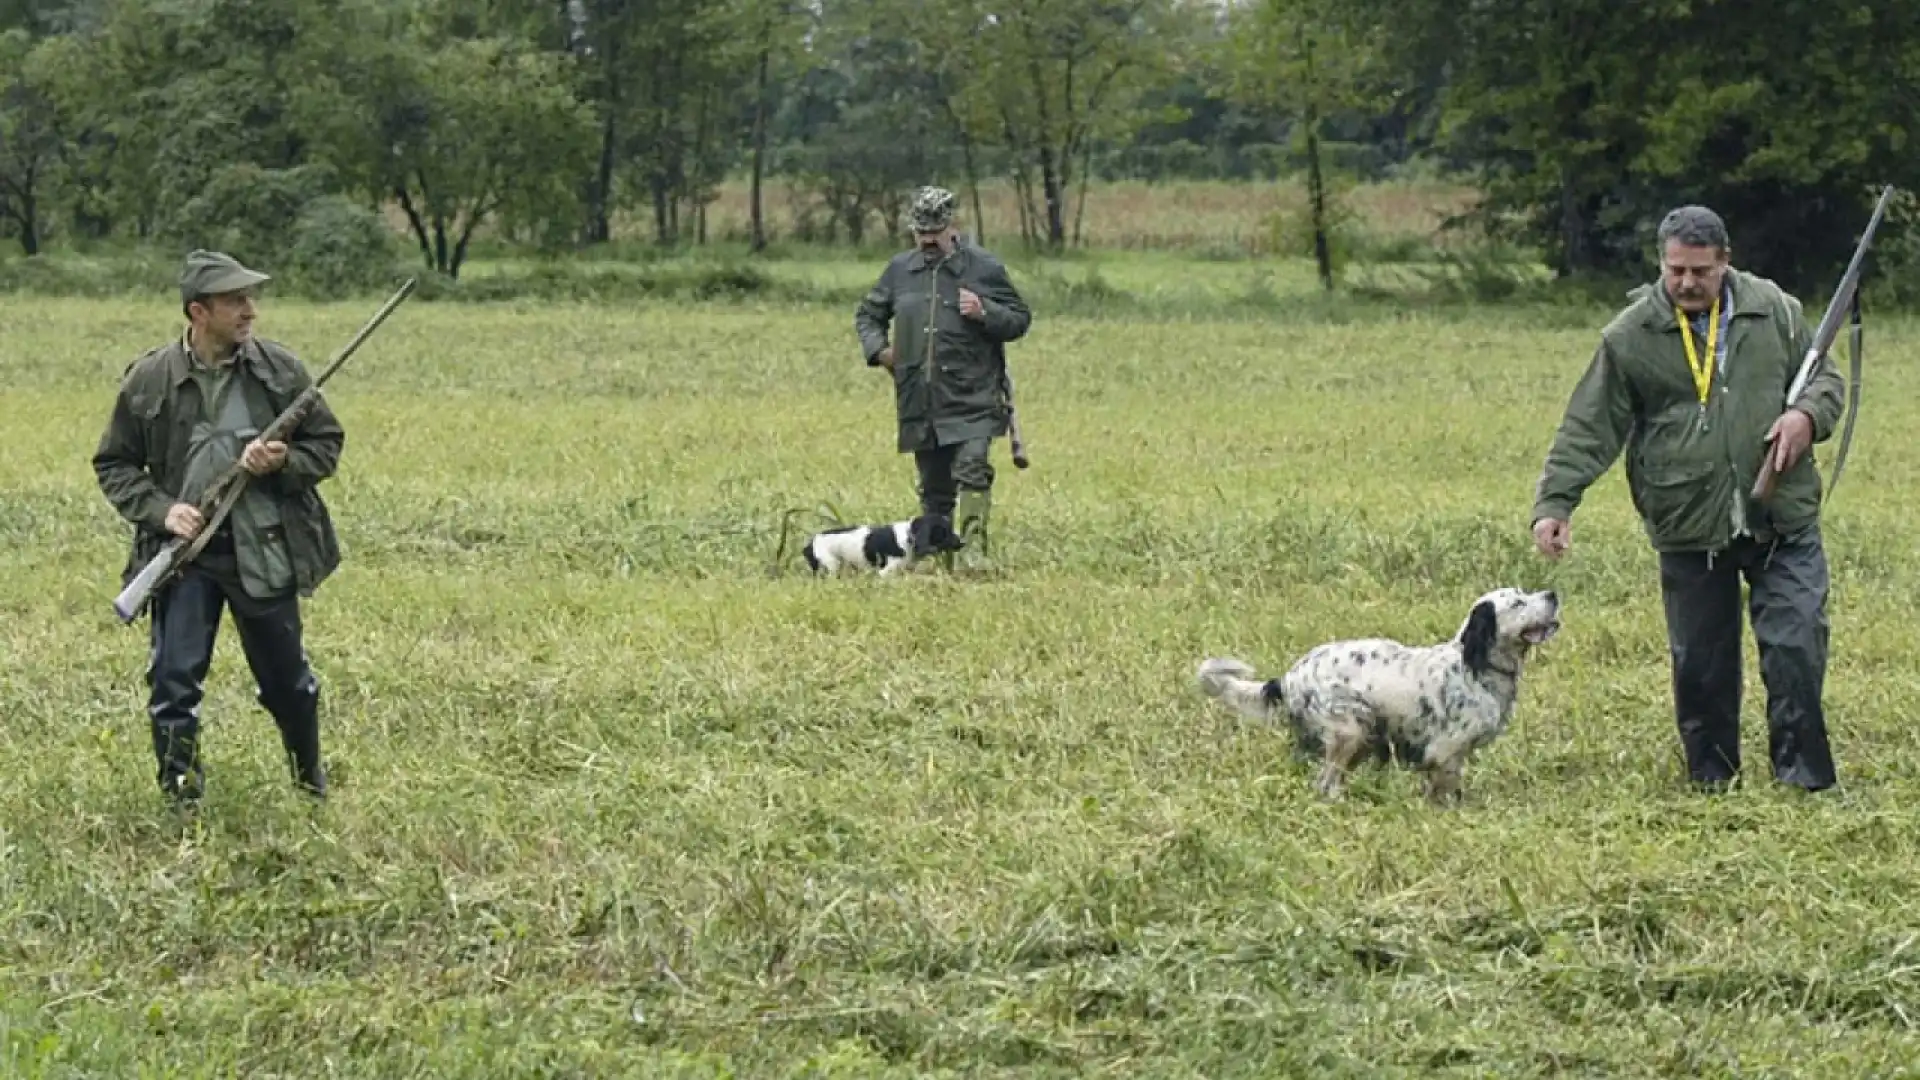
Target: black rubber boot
{"points": [[299, 721]]}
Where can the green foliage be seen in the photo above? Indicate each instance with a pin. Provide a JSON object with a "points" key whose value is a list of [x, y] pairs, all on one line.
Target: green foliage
{"points": [[553, 125], [339, 247], [246, 210], [1294, 228], [1591, 120]]}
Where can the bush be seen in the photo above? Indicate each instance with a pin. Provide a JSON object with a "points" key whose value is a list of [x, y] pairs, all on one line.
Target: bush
{"points": [[247, 211], [338, 247]]}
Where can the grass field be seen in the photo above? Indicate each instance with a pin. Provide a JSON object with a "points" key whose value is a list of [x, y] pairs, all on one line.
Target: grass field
{"points": [[610, 799]]}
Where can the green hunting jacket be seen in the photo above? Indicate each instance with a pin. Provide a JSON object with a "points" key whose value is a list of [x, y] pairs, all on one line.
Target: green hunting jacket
{"points": [[948, 373], [1691, 471], [141, 460]]}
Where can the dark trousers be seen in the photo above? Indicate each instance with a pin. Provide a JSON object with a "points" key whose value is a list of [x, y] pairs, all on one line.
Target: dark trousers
{"points": [[185, 623], [945, 470], [1787, 603]]}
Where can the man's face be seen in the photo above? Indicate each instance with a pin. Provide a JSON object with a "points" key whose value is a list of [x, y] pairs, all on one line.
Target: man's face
{"points": [[1693, 274], [938, 241], [226, 318]]}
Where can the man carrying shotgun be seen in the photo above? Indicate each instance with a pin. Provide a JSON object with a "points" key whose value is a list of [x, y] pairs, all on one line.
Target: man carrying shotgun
{"points": [[185, 412], [1692, 380]]}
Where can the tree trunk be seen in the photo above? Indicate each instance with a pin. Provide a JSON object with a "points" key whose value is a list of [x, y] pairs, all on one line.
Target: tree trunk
{"points": [[1316, 180], [662, 213], [971, 166], [1050, 190], [973, 189], [600, 197], [459, 257], [419, 227], [28, 217], [1086, 170], [1573, 227], [755, 209], [1317, 199], [440, 254]]}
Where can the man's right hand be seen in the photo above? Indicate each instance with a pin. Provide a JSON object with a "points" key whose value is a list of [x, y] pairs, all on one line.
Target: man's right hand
{"points": [[885, 359], [183, 520], [1552, 536]]}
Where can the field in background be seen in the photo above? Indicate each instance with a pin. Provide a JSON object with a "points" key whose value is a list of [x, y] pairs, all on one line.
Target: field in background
{"points": [[612, 800], [1203, 216], [1216, 218]]}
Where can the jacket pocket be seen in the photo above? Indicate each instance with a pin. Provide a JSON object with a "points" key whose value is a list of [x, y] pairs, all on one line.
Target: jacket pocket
{"points": [[1677, 501]]}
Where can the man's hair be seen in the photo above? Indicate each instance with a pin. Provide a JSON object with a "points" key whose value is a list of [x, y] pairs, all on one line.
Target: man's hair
{"points": [[1694, 226]]}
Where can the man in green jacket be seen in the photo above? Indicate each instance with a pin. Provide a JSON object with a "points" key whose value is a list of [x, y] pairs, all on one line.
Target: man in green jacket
{"points": [[184, 413], [953, 309], [1698, 403]]}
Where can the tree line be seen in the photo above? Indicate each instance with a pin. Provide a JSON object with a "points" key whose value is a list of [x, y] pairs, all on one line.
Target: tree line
{"points": [[270, 121]]}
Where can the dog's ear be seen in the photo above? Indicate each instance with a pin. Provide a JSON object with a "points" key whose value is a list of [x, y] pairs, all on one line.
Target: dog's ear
{"points": [[1478, 636]]}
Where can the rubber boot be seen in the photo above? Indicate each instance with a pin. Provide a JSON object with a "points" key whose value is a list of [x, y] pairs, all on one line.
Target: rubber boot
{"points": [[970, 516], [299, 722]]}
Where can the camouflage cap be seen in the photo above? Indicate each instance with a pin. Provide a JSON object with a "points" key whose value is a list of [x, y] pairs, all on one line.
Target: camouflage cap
{"points": [[207, 273], [932, 209]]}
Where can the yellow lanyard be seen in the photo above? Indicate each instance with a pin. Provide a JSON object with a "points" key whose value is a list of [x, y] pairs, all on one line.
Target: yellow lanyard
{"points": [[1702, 372]]}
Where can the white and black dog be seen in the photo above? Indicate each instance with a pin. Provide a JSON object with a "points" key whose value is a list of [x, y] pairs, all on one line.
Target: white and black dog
{"points": [[1430, 706], [887, 549]]}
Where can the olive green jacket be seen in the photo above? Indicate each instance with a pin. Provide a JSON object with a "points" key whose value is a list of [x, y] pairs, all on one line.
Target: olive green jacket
{"points": [[1691, 470], [949, 370], [141, 459]]}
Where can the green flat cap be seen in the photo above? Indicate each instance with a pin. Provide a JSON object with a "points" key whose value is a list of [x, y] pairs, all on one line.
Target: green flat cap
{"points": [[207, 273]]}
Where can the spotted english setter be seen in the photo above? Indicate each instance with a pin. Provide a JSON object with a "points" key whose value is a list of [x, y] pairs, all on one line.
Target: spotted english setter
{"points": [[1429, 706]]}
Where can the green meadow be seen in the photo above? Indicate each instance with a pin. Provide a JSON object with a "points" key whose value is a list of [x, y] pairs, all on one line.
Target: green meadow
{"points": [[618, 794]]}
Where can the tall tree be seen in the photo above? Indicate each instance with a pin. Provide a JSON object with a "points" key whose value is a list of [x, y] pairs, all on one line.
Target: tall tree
{"points": [[1054, 74], [30, 134], [1312, 58]]}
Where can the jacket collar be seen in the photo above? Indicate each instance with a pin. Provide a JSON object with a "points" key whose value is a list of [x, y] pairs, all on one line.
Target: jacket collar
{"points": [[1659, 311], [180, 359]]}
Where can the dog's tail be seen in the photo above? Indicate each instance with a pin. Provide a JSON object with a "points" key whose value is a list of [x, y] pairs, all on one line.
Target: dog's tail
{"points": [[1235, 685]]}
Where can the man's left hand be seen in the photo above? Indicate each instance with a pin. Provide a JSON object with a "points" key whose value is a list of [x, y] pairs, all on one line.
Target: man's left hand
{"points": [[262, 458], [1790, 436], [970, 305]]}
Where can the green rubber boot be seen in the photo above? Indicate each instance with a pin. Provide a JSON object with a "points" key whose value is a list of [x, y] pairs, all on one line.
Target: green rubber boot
{"points": [[970, 514]]}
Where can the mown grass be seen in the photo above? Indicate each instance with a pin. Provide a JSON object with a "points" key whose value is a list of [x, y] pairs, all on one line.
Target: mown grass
{"points": [[612, 799]]}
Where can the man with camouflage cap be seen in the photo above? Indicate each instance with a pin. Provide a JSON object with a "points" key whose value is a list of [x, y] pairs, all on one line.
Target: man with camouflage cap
{"points": [[952, 309], [184, 413]]}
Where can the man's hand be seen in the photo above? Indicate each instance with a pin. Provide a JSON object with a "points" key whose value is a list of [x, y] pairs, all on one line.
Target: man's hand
{"points": [[1552, 536], [885, 358], [1790, 435], [183, 520], [970, 305], [262, 458]]}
